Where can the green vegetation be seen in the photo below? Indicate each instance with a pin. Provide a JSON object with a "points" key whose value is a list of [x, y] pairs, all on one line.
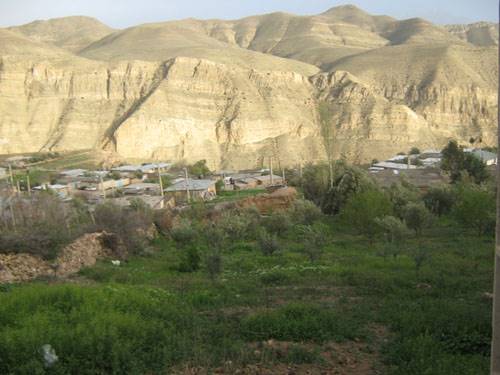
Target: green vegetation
{"points": [[228, 290]]}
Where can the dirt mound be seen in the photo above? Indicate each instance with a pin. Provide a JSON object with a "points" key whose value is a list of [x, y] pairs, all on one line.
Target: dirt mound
{"points": [[22, 267], [278, 200], [83, 252]]}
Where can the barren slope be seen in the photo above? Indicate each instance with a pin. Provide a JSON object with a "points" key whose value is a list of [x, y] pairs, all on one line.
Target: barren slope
{"points": [[70, 33]]}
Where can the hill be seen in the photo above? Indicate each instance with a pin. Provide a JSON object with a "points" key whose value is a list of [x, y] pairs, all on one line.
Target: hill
{"points": [[70, 33]]}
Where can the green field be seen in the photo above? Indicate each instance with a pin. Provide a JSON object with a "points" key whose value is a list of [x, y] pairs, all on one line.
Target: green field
{"points": [[351, 307]]}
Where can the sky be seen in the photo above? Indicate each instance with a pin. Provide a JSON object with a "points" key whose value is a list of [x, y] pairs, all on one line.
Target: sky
{"points": [[124, 13]]}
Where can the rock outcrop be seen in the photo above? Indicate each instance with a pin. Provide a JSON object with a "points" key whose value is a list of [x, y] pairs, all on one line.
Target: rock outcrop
{"points": [[83, 252], [235, 92]]}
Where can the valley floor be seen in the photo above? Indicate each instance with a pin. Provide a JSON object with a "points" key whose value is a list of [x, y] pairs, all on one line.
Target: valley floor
{"points": [[352, 311]]}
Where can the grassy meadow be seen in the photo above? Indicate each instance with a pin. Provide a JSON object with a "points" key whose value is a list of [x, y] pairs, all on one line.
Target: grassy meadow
{"points": [[351, 310]]}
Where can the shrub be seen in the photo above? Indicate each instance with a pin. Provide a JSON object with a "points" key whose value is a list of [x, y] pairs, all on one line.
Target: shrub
{"points": [[304, 212], [268, 243], [401, 194], [362, 210], [190, 260], [184, 233], [130, 225], [395, 232], [331, 193], [40, 226], [417, 217], [213, 262], [439, 200], [278, 223], [475, 209], [314, 238], [300, 322]]}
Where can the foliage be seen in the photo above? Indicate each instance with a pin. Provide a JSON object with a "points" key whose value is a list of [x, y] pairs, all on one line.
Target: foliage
{"points": [[395, 233], [415, 151], [458, 163], [347, 181], [199, 169], [305, 212], [268, 243], [219, 186], [417, 217], [277, 223], [40, 226], [314, 240], [130, 225], [401, 194], [114, 175], [475, 209], [190, 261], [363, 208], [439, 200]]}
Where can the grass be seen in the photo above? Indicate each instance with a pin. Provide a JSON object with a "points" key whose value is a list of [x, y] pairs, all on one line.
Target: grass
{"points": [[147, 317]]}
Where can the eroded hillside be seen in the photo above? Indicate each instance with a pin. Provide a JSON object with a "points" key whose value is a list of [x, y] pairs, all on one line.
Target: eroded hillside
{"points": [[235, 92]]}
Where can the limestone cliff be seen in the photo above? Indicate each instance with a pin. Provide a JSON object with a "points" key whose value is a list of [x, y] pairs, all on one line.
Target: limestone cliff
{"points": [[237, 92]]}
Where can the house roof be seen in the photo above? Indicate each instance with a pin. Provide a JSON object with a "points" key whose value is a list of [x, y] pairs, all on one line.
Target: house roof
{"points": [[484, 155], [73, 172], [268, 178], [192, 185], [389, 165], [142, 185]]}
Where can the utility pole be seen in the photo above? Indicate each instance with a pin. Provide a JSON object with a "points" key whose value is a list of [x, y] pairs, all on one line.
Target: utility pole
{"points": [[271, 169], [12, 178], [28, 181], [284, 176], [495, 338], [162, 193], [186, 181], [102, 187]]}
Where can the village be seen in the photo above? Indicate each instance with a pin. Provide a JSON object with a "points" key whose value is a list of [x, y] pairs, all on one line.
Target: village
{"points": [[158, 185], [162, 185]]}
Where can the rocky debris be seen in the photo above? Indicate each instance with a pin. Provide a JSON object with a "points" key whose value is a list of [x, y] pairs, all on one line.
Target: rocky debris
{"points": [[22, 267], [83, 252], [278, 200]]}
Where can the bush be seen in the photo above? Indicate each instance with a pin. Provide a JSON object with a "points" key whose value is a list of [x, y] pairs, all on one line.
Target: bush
{"points": [[132, 226], [362, 210], [184, 233], [475, 209], [213, 262], [278, 223], [401, 194], [299, 322], [304, 212], [314, 238], [417, 217], [268, 243], [40, 226], [395, 232], [439, 200], [190, 259], [332, 197]]}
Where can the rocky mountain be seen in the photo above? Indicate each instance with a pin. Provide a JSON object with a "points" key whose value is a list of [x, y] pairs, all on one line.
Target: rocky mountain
{"points": [[236, 92]]}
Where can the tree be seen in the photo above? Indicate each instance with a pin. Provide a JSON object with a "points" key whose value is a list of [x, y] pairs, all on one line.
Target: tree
{"points": [[415, 151], [456, 162], [417, 217], [363, 208], [453, 160], [395, 232], [199, 169], [347, 181], [314, 240], [439, 200], [475, 209]]}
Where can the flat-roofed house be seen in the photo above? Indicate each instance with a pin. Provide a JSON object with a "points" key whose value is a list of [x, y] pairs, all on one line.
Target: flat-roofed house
{"points": [[198, 190]]}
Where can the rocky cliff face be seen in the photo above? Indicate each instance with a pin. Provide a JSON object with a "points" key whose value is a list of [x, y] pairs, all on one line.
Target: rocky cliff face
{"points": [[386, 85]]}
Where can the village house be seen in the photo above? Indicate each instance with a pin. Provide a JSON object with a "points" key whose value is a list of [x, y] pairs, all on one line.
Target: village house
{"points": [[142, 188], [193, 190]]}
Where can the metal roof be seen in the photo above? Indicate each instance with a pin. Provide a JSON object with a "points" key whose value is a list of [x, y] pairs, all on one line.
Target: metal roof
{"points": [[192, 185], [389, 165]]}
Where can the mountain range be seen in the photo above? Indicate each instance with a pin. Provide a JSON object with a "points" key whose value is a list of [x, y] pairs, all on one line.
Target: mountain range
{"points": [[343, 83]]}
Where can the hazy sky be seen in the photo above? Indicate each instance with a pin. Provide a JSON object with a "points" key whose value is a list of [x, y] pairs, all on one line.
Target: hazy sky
{"points": [[123, 13]]}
